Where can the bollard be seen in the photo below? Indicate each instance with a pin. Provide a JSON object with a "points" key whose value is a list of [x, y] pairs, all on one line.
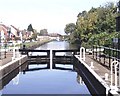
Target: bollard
{"points": [[13, 52], [106, 76], [20, 62], [91, 66]]}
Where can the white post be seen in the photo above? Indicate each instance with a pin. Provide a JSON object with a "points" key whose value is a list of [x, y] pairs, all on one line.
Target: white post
{"points": [[51, 59], [18, 54], [21, 38], [115, 64], [116, 74], [82, 53], [106, 76], [13, 51], [91, 66]]}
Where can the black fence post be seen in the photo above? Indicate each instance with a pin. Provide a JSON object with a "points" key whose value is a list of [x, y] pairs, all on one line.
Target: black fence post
{"points": [[96, 52], [118, 45], [93, 51], [104, 55], [109, 57], [99, 53]]}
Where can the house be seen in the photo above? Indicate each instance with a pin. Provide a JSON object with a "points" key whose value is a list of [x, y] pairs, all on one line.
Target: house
{"points": [[55, 36], [15, 31], [4, 32]]}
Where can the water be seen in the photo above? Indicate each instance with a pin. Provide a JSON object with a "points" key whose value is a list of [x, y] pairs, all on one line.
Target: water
{"points": [[46, 82], [39, 79], [56, 45]]}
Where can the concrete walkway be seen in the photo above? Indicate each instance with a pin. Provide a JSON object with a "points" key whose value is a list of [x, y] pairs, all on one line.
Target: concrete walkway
{"points": [[101, 70], [98, 68], [8, 58]]}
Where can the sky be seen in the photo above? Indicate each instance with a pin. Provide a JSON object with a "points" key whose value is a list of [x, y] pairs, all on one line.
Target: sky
{"points": [[52, 15]]}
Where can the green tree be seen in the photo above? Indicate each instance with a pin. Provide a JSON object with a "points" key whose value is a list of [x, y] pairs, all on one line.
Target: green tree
{"points": [[34, 35], [30, 28], [43, 32], [98, 24], [70, 28]]}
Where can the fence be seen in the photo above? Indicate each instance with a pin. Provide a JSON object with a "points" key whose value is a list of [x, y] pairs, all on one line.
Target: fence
{"points": [[105, 55]]}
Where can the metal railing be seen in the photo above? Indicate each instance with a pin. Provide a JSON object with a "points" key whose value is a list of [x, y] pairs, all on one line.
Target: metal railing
{"points": [[105, 55]]}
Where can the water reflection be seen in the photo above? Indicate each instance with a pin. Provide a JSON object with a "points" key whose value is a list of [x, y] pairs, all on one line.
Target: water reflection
{"points": [[36, 67], [45, 78], [32, 79], [80, 80], [16, 80], [14, 76], [63, 66]]}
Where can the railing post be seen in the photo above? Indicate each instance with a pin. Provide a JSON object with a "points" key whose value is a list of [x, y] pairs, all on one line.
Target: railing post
{"points": [[115, 65], [119, 74], [93, 51], [109, 57], [13, 51], [96, 52], [99, 53], [113, 55], [51, 59], [82, 53], [104, 54]]}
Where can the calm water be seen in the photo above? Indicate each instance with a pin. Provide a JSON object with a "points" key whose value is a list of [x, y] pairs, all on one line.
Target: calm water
{"points": [[56, 45], [38, 79]]}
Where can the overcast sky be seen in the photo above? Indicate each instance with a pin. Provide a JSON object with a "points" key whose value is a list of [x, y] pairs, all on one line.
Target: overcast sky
{"points": [[50, 14]]}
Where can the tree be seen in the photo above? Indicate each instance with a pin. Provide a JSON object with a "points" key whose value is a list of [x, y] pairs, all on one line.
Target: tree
{"points": [[43, 32], [94, 25], [70, 28], [34, 35], [30, 28]]}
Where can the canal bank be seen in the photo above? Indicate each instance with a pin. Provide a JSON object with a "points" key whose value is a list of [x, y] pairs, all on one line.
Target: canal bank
{"points": [[94, 75], [15, 59], [12, 65], [35, 74]]}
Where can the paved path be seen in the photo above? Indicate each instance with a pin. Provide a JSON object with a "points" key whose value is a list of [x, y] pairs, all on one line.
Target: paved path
{"points": [[98, 68], [8, 58]]}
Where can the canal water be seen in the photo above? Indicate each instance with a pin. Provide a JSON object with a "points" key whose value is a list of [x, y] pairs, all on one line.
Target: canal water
{"points": [[39, 79]]}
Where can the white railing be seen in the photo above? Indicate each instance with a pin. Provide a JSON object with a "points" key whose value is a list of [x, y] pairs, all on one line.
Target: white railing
{"points": [[114, 77], [82, 53], [16, 53]]}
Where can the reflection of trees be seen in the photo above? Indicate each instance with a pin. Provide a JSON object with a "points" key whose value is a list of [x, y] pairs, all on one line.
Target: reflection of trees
{"points": [[79, 79]]}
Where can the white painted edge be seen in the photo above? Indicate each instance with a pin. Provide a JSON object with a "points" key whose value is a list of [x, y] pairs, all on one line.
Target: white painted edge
{"points": [[94, 73], [17, 59], [114, 93]]}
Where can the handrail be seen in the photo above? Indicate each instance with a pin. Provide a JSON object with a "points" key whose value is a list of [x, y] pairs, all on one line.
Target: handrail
{"points": [[107, 53], [82, 53], [114, 66]]}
